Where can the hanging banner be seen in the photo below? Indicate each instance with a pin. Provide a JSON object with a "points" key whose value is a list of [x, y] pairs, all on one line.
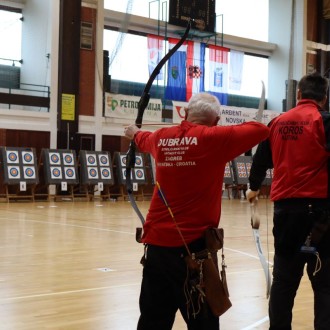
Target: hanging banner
{"points": [[155, 54], [126, 107], [229, 115], [218, 66], [196, 68]]}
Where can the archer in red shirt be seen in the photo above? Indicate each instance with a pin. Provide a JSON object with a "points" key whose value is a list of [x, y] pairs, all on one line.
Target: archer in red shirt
{"points": [[190, 160]]}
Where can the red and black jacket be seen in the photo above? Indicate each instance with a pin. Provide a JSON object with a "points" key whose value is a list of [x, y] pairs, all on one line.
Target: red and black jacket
{"points": [[298, 149]]}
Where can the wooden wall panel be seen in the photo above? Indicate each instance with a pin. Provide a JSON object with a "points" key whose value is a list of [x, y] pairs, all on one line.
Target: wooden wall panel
{"points": [[87, 68], [312, 20], [114, 144], [28, 139]]}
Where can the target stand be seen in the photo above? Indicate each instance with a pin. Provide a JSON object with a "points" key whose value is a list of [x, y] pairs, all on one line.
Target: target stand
{"points": [[138, 175], [60, 170], [19, 175], [228, 180], [241, 172], [96, 174]]}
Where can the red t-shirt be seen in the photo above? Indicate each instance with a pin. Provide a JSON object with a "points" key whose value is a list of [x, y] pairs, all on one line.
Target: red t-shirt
{"points": [[190, 161]]}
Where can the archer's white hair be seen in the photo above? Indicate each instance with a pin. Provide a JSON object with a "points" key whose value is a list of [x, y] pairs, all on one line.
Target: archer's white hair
{"points": [[204, 103]]}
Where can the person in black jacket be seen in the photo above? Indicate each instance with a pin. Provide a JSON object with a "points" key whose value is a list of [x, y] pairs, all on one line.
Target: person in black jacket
{"points": [[298, 149]]}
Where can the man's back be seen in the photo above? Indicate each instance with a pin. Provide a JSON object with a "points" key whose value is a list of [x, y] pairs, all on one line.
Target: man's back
{"points": [[300, 159], [190, 161]]}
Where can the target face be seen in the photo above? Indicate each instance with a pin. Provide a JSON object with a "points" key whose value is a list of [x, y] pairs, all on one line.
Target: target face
{"points": [[12, 157], [241, 169], [123, 173], [27, 157], [54, 158], [70, 173], [68, 159], [56, 173], [123, 160], [104, 160], [91, 160], [139, 174], [93, 173], [29, 172], [13, 172], [138, 161], [105, 173], [227, 171], [248, 168]]}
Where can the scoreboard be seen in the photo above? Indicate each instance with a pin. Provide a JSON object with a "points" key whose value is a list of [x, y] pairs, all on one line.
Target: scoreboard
{"points": [[202, 11]]}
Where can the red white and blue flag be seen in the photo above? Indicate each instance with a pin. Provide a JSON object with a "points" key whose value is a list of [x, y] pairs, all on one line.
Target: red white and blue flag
{"points": [[155, 54], [195, 67], [176, 72], [219, 73]]}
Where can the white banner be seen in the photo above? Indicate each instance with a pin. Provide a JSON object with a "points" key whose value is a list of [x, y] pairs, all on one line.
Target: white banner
{"points": [[126, 107], [229, 115]]}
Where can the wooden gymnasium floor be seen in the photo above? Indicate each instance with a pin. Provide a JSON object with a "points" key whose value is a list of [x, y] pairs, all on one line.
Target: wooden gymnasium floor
{"points": [[75, 266]]}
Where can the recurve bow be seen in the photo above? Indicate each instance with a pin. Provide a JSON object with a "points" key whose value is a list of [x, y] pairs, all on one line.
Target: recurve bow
{"points": [[143, 103], [255, 217]]}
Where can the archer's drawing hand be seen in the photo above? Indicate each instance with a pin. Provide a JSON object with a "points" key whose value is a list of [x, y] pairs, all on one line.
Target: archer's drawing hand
{"points": [[251, 195], [130, 131]]}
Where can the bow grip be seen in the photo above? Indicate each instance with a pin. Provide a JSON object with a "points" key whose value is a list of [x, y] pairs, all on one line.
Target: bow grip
{"points": [[130, 164]]}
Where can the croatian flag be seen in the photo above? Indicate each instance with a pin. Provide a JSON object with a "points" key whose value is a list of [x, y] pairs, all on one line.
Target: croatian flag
{"points": [[155, 53], [176, 73], [195, 67], [219, 73]]}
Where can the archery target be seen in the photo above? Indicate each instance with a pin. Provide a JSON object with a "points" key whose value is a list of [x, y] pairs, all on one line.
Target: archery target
{"points": [[68, 159], [105, 173], [123, 160], [91, 160], [27, 157], [138, 161], [54, 158], [248, 168], [227, 171], [241, 169], [139, 174], [69, 173], [93, 173], [29, 172], [123, 172], [14, 172], [55, 172], [12, 157], [104, 160]]}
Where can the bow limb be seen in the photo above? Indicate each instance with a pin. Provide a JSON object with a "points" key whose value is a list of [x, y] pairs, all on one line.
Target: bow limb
{"points": [[255, 218], [255, 223], [143, 103], [262, 102]]}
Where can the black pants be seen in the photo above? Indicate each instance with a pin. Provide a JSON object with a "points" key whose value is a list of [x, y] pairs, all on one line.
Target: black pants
{"points": [[287, 274], [162, 292], [293, 222]]}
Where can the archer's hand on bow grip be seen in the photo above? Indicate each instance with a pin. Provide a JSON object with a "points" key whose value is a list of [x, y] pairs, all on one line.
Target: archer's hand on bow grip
{"points": [[130, 131], [251, 195]]}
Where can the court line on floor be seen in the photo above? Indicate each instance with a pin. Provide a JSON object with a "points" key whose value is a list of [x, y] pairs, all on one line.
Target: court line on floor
{"points": [[246, 254], [78, 226], [68, 292], [252, 326]]}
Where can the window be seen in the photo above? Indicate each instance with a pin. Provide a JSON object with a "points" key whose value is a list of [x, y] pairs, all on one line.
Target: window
{"points": [[130, 63], [242, 18], [10, 37]]}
